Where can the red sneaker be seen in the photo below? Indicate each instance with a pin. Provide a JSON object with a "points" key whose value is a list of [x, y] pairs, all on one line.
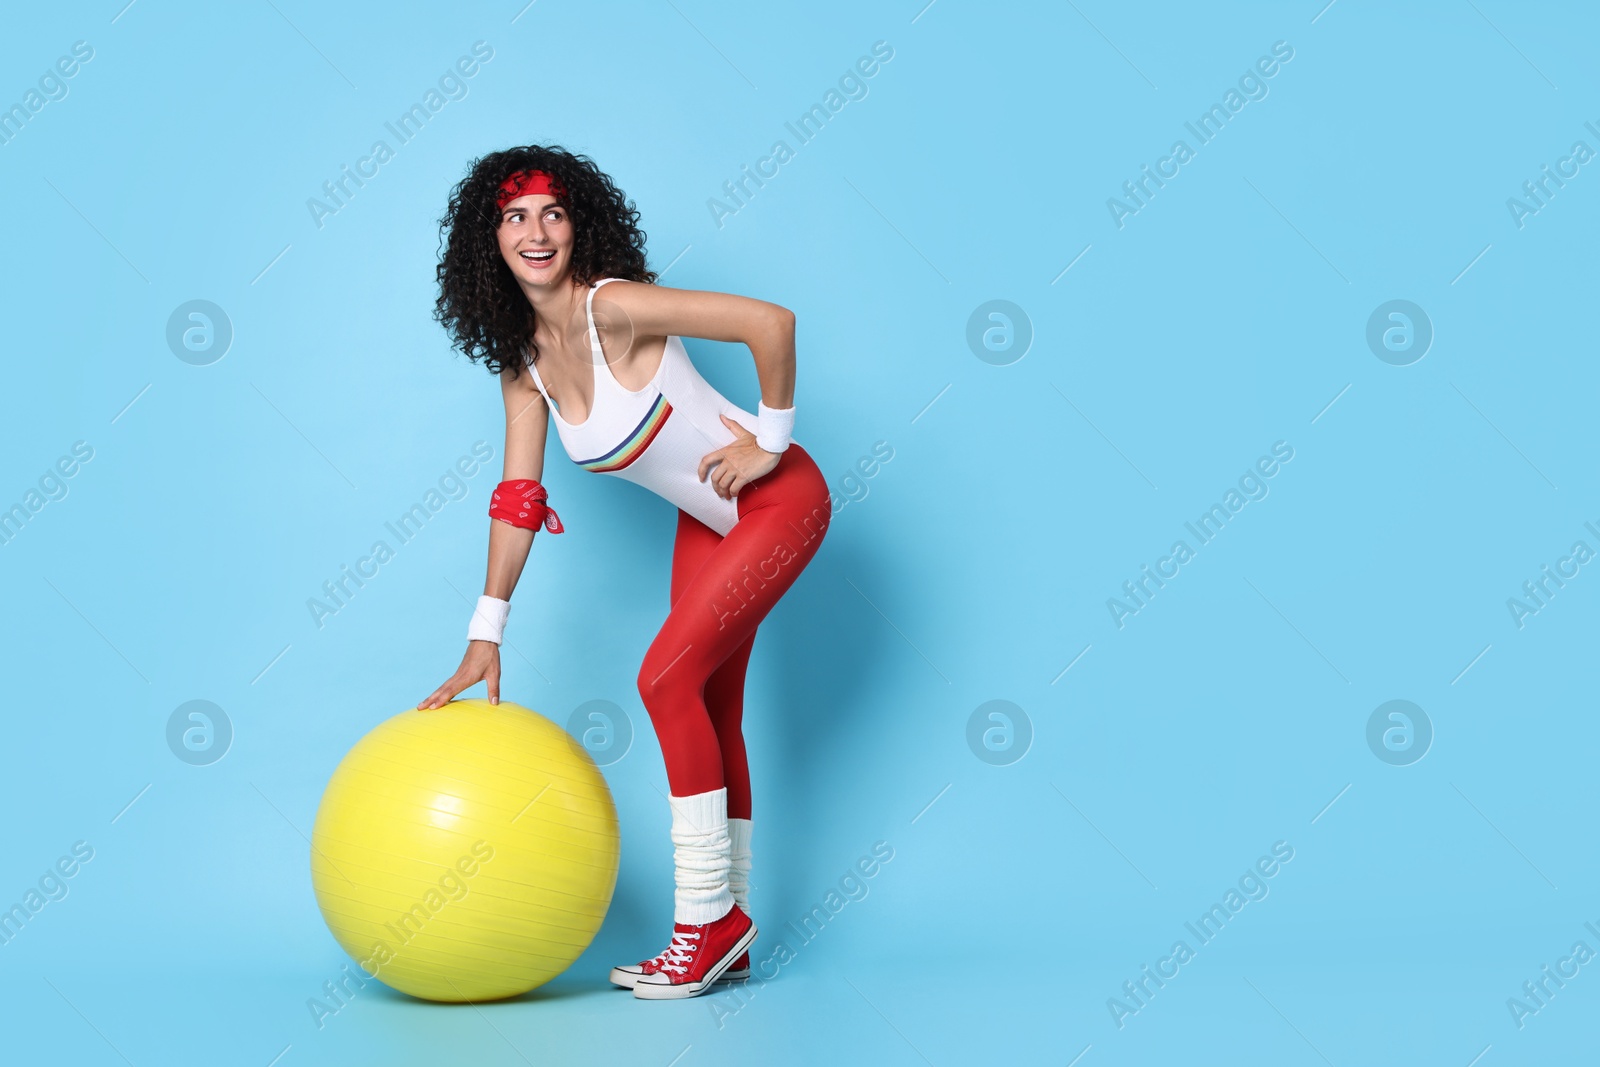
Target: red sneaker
{"points": [[738, 970], [697, 957], [629, 973]]}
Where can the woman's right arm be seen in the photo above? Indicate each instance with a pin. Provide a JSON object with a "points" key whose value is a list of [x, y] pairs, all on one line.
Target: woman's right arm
{"points": [[527, 427]]}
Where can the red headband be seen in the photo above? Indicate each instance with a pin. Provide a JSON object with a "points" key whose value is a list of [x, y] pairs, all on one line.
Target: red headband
{"points": [[527, 183]]}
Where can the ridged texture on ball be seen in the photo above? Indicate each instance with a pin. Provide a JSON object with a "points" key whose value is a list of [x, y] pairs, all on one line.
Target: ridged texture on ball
{"points": [[465, 853]]}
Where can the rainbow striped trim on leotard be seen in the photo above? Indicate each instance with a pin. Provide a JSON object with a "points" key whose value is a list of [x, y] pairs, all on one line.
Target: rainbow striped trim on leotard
{"points": [[633, 446]]}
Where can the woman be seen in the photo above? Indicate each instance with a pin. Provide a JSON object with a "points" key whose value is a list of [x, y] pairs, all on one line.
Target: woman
{"points": [[531, 235]]}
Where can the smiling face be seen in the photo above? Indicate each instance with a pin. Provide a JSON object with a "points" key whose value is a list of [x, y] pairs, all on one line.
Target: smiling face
{"points": [[535, 236]]}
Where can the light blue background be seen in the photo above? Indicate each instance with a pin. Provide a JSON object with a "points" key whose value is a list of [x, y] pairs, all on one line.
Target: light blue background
{"points": [[1227, 715]]}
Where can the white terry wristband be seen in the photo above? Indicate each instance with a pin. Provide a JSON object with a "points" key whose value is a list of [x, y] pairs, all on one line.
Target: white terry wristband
{"points": [[774, 427], [488, 619]]}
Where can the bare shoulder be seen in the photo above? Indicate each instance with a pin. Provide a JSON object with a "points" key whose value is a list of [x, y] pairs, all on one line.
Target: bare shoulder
{"points": [[625, 294]]}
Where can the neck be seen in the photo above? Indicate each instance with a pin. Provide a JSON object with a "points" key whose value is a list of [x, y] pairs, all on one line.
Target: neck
{"points": [[554, 301]]}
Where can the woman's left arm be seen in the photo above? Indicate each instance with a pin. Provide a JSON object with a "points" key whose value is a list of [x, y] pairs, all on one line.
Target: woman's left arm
{"points": [[767, 329]]}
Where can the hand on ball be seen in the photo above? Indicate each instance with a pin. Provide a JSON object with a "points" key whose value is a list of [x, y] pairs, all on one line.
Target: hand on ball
{"points": [[482, 661]]}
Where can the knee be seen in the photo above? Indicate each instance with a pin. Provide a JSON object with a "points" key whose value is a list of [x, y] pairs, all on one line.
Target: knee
{"points": [[649, 690], [659, 682]]}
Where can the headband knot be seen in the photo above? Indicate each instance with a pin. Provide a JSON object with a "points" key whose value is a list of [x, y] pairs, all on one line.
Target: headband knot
{"points": [[528, 183]]}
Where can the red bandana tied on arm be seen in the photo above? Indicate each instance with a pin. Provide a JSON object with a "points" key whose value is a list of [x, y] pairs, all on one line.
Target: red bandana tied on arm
{"points": [[521, 502], [529, 183]]}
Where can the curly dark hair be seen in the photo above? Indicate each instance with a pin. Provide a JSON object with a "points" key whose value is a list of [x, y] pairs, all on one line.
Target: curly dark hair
{"points": [[480, 304]]}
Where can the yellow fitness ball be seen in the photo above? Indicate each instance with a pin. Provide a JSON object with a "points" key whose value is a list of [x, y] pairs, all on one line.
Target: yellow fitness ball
{"points": [[466, 853]]}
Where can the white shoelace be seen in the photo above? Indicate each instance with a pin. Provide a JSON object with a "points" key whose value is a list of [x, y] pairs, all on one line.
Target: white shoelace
{"points": [[676, 957]]}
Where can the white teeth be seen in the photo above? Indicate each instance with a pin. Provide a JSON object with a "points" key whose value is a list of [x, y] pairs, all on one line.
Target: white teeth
{"points": [[539, 256]]}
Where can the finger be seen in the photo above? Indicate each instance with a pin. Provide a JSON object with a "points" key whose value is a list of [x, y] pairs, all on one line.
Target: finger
{"points": [[444, 693], [494, 687], [450, 689], [710, 460]]}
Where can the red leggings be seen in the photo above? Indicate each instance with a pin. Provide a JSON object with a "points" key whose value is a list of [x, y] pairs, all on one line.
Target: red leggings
{"points": [[692, 678]]}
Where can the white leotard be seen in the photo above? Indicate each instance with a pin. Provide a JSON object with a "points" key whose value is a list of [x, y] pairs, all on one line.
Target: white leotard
{"points": [[654, 437]]}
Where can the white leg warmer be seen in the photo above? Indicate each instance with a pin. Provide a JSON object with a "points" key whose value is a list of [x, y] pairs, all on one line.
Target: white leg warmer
{"points": [[739, 862], [700, 855]]}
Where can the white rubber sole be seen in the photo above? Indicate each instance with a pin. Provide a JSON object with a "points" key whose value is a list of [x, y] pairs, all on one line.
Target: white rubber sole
{"points": [[626, 979], [665, 991]]}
